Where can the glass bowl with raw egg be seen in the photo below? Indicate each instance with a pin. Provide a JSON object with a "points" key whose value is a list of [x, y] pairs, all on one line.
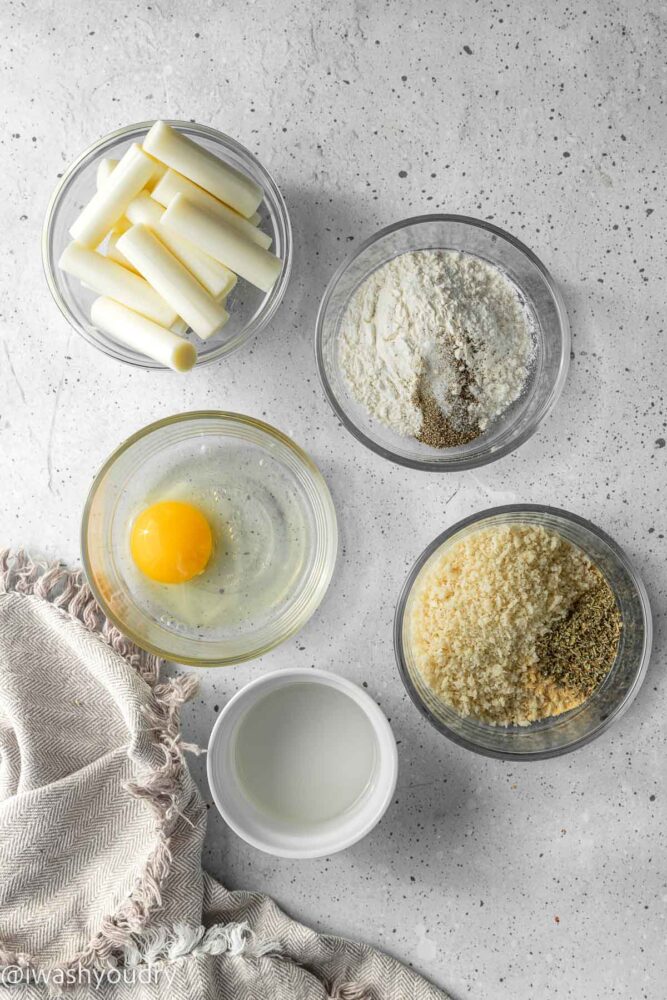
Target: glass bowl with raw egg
{"points": [[208, 538], [249, 308]]}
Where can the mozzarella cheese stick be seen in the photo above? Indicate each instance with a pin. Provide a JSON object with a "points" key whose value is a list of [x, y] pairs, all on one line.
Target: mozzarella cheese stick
{"points": [[113, 253], [106, 167], [172, 281], [182, 154], [107, 277], [217, 279], [104, 170], [120, 227], [223, 243], [254, 219], [173, 183], [144, 211], [109, 203], [180, 326], [142, 335]]}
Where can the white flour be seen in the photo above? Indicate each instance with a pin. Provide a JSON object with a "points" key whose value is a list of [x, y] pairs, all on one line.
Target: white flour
{"points": [[423, 319]]}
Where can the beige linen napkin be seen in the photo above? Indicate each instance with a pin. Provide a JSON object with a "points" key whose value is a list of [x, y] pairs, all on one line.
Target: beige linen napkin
{"points": [[101, 827]]}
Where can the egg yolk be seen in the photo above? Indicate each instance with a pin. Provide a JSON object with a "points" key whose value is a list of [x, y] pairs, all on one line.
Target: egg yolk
{"points": [[171, 542]]}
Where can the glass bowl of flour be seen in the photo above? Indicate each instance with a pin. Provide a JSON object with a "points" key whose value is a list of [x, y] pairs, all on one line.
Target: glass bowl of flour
{"points": [[443, 343]]}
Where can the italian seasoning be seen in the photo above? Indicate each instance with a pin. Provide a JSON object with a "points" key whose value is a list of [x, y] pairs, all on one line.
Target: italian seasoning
{"points": [[580, 650]]}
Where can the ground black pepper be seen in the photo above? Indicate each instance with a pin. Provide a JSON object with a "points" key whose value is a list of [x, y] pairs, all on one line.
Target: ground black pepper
{"points": [[438, 430]]}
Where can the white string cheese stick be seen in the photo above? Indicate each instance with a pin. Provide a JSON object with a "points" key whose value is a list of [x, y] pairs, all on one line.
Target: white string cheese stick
{"points": [[223, 243], [107, 277], [104, 170], [120, 227], [107, 166], [180, 326], [173, 183], [109, 203], [142, 335], [254, 219], [217, 279], [173, 281], [182, 154], [113, 253]]}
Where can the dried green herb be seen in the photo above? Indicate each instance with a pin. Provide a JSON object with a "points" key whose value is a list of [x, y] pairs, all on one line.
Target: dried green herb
{"points": [[580, 650]]}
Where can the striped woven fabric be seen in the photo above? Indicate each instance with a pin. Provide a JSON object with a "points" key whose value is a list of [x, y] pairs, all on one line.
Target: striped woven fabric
{"points": [[101, 829]]}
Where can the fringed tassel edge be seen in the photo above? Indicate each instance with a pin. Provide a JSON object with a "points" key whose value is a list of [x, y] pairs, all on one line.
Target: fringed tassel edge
{"points": [[164, 945], [68, 590], [160, 944], [157, 945]]}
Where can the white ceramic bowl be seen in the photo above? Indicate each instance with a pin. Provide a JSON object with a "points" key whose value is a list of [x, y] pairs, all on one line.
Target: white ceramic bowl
{"points": [[275, 836]]}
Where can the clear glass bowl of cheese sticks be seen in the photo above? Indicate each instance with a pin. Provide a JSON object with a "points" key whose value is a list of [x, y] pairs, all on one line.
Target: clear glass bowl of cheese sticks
{"points": [[167, 244]]}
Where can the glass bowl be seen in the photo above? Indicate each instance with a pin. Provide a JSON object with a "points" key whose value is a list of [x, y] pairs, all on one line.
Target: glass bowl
{"points": [[250, 309], [276, 493], [560, 734], [542, 298]]}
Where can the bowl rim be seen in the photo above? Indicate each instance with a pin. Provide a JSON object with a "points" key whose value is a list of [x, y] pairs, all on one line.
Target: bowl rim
{"points": [[444, 465], [330, 539], [618, 553], [385, 739], [48, 266]]}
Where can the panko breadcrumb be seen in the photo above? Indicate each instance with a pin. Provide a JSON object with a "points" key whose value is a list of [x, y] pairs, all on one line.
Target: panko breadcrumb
{"points": [[478, 611]]}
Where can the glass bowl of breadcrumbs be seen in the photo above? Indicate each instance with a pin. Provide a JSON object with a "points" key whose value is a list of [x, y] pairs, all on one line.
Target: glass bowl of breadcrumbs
{"points": [[523, 632]]}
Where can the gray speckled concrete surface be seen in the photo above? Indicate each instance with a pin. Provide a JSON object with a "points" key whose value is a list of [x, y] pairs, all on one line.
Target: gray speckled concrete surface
{"points": [[497, 880]]}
